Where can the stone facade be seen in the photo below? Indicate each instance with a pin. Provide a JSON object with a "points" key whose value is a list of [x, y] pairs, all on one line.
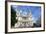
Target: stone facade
{"points": [[24, 21]]}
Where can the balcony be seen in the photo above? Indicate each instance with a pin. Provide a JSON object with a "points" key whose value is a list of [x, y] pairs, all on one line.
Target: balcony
{"points": [[25, 20]]}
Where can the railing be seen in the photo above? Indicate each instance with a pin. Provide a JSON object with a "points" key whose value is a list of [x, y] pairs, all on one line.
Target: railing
{"points": [[25, 20]]}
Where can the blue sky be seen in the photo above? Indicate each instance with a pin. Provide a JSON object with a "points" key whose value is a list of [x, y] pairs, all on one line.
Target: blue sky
{"points": [[24, 10]]}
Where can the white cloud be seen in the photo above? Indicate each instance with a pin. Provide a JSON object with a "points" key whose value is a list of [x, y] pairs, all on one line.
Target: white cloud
{"points": [[14, 6], [34, 19]]}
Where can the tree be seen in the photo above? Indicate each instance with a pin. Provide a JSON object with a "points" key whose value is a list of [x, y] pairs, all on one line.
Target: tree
{"points": [[13, 17], [38, 23]]}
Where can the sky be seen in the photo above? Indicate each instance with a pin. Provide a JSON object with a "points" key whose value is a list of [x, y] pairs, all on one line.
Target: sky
{"points": [[24, 10]]}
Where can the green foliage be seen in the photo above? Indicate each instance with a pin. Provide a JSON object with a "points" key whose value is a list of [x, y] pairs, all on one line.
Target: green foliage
{"points": [[38, 23], [13, 17]]}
